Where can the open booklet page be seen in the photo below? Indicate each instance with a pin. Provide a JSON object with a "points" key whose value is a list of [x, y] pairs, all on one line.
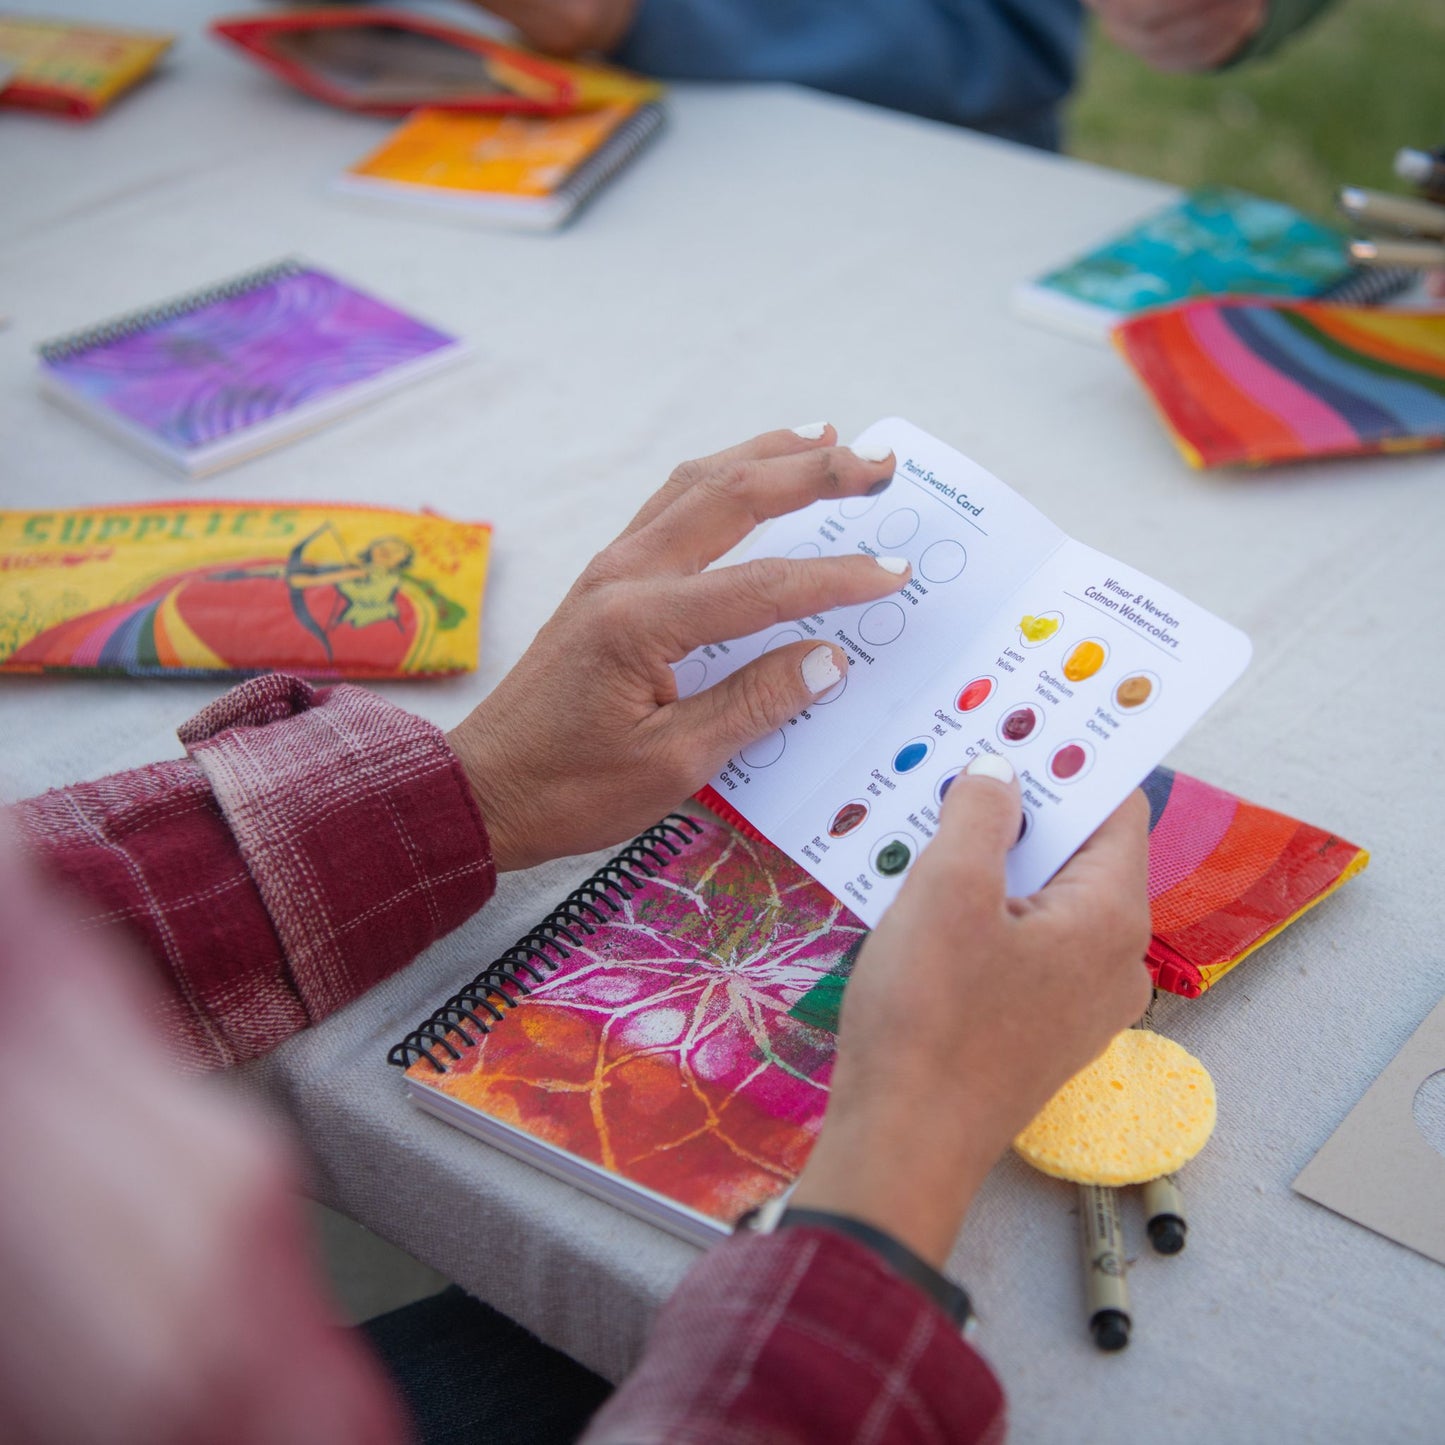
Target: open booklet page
{"points": [[1010, 637]]}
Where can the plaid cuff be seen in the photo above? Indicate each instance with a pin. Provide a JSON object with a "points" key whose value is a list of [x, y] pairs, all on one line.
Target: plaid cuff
{"points": [[797, 1337], [356, 822]]}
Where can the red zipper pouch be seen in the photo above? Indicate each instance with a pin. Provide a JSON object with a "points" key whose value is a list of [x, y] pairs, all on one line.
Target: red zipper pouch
{"points": [[388, 62]]}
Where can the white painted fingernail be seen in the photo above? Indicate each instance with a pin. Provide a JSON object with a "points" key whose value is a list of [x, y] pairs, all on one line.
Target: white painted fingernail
{"points": [[872, 452], [820, 672], [812, 431], [990, 765], [896, 565]]}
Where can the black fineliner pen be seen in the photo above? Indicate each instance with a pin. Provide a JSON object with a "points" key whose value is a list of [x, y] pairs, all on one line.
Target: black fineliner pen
{"points": [[1106, 1292], [1164, 1209]]}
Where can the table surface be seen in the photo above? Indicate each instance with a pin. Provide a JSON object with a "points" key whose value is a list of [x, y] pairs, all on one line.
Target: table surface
{"points": [[778, 257]]}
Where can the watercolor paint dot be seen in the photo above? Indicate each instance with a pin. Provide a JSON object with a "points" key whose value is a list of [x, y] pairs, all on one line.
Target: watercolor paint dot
{"points": [[943, 561], [689, 676], [782, 639], [1035, 630], [913, 754], [974, 694], [897, 528], [1019, 724], [852, 507], [1085, 659], [892, 855], [881, 624], [1071, 760], [850, 816], [805, 549], [766, 751], [945, 783], [1136, 692], [833, 693]]}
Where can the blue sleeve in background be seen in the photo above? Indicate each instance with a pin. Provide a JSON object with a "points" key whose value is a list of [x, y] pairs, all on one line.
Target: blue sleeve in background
{"points": [[1000, 66]]}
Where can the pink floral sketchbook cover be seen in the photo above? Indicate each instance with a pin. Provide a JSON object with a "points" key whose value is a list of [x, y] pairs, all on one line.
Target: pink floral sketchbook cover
{"points": [[685, 1045]]}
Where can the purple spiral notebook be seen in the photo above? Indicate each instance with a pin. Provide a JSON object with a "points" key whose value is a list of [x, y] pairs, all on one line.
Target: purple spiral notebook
{"points": [[211, 378]]}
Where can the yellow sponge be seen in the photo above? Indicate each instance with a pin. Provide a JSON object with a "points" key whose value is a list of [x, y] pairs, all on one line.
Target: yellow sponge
{"points": [[1141, 1109]]}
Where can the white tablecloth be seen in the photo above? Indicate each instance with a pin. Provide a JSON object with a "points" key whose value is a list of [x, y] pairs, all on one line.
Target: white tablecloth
{"points": [[781, 257]]}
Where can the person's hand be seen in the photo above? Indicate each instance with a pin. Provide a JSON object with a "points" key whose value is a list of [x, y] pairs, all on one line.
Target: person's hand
{"points": [[1181, 34], [968, 1010], [159, 1288], [567, 27], [586, 742]]}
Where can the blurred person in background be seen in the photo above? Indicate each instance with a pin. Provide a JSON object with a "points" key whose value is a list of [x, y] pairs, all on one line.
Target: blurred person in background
{"points": [[1000, 66]]}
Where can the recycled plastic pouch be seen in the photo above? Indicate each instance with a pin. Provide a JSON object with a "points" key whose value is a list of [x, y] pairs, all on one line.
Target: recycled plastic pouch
{"points": [[235, 587]]}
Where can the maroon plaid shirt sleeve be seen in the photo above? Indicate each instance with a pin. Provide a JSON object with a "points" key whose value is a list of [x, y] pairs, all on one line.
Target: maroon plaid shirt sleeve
{"points": [[311, 843], [798, 1337]]}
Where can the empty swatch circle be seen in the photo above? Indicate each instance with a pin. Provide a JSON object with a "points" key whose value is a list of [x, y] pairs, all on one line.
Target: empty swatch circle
{"points": [[1136, 692], [782, 639], [913, 754], [848, 817], [1019, 724], [833, 693], [892, 855], [974, 694], [881, 623], [1085, 658], [1070, 761], [897, 527], [852, 507], [805, 549], [943, 561], [766, 751], [689, 676]]}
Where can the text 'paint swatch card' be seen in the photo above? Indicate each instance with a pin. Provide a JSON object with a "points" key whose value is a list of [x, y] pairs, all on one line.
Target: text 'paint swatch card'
{"points": [[1010, 638]]}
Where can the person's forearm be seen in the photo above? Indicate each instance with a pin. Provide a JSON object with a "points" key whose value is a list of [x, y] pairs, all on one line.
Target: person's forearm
{"points": [[801, 1336], [310, 844], [1283, 20]]}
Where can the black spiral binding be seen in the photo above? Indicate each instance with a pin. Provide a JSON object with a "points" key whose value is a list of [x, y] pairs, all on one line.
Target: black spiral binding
{"points": [[616, 153], [65, 347], [1369, 285], [585, 910]]}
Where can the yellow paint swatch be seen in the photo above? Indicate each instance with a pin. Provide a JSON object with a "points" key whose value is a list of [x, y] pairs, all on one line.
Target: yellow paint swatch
{"points": [[1142, 1109]]}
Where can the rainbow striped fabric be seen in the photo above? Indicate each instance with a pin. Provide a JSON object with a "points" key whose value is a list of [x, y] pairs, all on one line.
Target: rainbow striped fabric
{"points": [[1243, 382]]}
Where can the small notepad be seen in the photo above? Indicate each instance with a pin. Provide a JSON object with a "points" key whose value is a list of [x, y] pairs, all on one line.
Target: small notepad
{"points": [[1211, 242], [209, 379], [530, 172]]}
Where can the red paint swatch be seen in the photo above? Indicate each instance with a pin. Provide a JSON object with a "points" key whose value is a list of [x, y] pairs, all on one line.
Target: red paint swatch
{"points": [[975, 694]]}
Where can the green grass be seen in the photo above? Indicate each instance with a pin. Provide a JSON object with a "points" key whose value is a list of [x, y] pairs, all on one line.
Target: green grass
{"points": [[1331, 108]]}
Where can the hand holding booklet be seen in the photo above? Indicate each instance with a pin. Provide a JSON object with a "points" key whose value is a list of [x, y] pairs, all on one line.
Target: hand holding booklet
{"points": [[677, 1010], [1010, 637]]}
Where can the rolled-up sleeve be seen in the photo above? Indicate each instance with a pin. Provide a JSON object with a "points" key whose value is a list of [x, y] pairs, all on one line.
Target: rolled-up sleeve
{"points": [[309, 844]]}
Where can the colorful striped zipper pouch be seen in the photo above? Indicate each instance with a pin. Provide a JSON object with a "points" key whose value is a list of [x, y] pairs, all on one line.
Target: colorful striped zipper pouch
{"points": [[1244, 382]]}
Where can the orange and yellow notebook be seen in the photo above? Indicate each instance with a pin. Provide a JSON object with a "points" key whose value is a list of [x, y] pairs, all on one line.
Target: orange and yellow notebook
{"points": [[526, 171], [77, 70]]}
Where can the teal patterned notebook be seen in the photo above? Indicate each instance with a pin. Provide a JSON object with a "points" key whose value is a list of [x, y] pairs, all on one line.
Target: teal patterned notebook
{"points": [[1213, 242]]}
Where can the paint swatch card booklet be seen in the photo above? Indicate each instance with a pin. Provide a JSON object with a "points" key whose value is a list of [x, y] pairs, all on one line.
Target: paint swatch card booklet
{"points": [[1009, 637], [202, 381]]}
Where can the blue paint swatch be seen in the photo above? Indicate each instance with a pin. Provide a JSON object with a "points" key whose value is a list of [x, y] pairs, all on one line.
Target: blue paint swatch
{"points": [[910, 755]]}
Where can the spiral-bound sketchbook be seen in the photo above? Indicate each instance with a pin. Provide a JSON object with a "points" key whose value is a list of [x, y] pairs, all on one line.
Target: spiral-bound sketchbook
{"points": [[530, 172], [1211, 242], [208, 379], [664, 1038]]}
